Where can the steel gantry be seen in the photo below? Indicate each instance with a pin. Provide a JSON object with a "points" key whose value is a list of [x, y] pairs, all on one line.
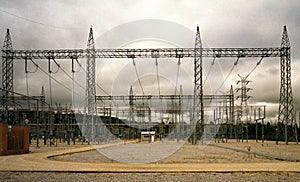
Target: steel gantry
{"points": [[130, 98], [198, 110], [90, 90], [286, 108], [146, 53], [7, 80], [286, 113]]}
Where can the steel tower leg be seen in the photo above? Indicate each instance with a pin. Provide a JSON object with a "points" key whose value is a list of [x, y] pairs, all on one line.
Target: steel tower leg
{"points": [[46, 127], [198, 112], [131, 105], [286, 108], [231, 108], [244, 109], [90, 105], [7, 80]]}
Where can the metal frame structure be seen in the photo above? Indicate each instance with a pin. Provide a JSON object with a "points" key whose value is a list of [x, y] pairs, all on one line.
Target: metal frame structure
{"points": [[146, 53], [286, 108], [286, 113], [7, 80], [198, 110], [90, 90], [243, 110]]}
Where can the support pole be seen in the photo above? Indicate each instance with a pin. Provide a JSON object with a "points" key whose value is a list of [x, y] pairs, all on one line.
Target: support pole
{"points": [[286, 108], [262, 126], [198, 113], [37, 124], [73, 84], [90, 104], [231, 111], [256, 132], [7, 80], [131, 105], [277, 130], [50, 85]]}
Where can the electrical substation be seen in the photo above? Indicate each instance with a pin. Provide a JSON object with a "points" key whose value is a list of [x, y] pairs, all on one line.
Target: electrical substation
{"points": [[196, 118]]}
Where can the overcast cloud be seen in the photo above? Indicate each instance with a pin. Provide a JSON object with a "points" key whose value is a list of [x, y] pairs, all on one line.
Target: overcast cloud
{"points": [[58, 24]]}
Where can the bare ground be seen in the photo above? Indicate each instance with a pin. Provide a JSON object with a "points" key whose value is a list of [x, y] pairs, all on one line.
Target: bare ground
{"points": [[172, 177], [185, 155], [209, 154]]}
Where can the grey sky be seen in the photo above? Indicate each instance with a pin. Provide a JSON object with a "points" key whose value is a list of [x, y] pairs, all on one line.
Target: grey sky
{"points": [[230, 23]]}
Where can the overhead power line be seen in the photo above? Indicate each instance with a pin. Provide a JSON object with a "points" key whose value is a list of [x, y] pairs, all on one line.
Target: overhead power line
{"points": [[70, 76], [157, 75], [177, 75], [137, 75], [35, 22], [48, 74], [210, 68], [102, 89], [229, 73], [258, 63]]}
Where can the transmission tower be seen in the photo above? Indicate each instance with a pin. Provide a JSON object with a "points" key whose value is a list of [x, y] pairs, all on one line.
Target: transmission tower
{"points": [[231, 110], [243, 113], [131, 105], [7, 80], [90, 105], [286, 108], [42, 116], [198, 112]]}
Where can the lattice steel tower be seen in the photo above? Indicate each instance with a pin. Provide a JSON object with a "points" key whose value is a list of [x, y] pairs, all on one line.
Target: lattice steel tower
{"points": [[286, 108], [90, 75], [198, 112], [243, 113], [131, 105], [90, 103], [7, 80]]}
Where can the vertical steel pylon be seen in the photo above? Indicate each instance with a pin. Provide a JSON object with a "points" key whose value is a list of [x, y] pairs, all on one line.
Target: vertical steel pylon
{"points": [[90, 105], [131, 105], [243, 115], [7, 80], [231, 111], [42, 118], [286, 108], [198, 113]]}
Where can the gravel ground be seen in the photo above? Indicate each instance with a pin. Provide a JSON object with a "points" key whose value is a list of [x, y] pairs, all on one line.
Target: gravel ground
{"points": [[60, 146], [153, 177], [268, 147], [187, 153]]}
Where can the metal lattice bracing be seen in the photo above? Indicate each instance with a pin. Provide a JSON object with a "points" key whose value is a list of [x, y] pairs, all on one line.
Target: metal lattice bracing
{"points": [[244, 97], [90, 75], [90, 103], [7, 80], [243, 112], [131, 105], [286, 109], [198, 111], [148, 53], [183, 100], [132, 97]]}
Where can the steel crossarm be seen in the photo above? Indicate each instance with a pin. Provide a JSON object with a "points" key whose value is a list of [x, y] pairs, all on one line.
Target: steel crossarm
{"points": [[157, 97], [145, 53], [26, 97]]}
